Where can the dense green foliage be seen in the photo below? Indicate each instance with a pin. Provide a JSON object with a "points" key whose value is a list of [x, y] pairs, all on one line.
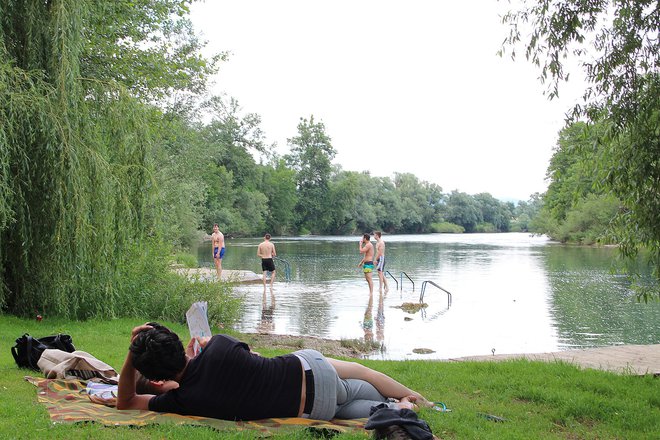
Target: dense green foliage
{"points": [[80, 198], [616, 42], [538, 400], [576, 206]]}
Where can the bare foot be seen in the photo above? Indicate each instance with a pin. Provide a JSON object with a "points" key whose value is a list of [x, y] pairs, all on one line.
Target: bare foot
{"points": [[407, 402]]}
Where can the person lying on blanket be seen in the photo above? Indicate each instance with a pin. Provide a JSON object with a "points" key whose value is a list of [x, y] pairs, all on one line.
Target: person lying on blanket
{"points": [[228, 381]]}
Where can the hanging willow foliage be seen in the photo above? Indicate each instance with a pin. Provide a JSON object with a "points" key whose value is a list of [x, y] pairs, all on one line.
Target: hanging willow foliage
{"points": [[73, 164]]}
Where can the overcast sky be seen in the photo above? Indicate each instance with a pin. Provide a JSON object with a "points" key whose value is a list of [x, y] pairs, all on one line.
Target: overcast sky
{"points": [[401, 86]]}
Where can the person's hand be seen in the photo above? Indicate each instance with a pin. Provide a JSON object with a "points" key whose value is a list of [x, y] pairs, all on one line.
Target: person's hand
{"points": [[190, 348], [360, 264], [140, 328], [107, 401], [201, 340]]}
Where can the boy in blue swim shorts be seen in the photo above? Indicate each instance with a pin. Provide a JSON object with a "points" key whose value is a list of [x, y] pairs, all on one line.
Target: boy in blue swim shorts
{"points": [[218, 243]]}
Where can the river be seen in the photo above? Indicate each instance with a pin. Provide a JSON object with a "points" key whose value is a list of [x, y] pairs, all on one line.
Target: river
{"points": [[511, 293]]}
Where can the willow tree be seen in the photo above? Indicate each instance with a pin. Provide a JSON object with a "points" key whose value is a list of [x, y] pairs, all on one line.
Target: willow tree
{"points": [[75, 134]]}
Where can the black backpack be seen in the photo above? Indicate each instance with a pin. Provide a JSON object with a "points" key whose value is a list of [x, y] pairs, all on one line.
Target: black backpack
{"points": [[28, 350]]}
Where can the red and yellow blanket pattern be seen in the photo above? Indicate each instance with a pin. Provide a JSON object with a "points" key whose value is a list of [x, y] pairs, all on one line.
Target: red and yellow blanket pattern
{"points": [[67, 402]]}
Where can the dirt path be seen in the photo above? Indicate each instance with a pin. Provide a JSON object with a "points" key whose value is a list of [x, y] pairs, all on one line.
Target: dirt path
{"points": [[626, 359]]}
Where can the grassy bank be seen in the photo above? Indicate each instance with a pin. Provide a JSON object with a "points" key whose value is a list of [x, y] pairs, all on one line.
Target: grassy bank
{"points": [[538, 400]]}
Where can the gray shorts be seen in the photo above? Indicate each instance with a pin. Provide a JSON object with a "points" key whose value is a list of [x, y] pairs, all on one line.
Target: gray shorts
{"points": [[326, 383], [335, 397]]}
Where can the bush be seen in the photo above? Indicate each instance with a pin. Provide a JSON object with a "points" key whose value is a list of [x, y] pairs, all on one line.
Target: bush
{"points": [[588, 221], [485, 227], [186, 260], [447, 228], [148, 287]]}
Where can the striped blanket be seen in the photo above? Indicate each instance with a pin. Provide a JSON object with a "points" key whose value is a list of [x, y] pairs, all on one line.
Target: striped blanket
{"points": [[67, 402]]}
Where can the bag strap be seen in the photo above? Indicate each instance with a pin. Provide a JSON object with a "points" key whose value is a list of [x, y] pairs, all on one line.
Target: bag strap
{"points": [[15, 354], [14, 349], [30, 340]]}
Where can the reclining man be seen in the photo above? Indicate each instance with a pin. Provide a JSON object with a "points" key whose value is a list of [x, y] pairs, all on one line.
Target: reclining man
{"points": [[228, 381]]}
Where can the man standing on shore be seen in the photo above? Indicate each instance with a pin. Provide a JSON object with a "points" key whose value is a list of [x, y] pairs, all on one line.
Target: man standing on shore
{"points": [[218, 245], [266, 251], [380, 261], [367, 264]]}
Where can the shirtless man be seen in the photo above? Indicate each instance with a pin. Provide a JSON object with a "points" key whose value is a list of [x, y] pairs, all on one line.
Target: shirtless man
{"points": [[266, 251], [380, 261], [367, 264], [218, 244]]}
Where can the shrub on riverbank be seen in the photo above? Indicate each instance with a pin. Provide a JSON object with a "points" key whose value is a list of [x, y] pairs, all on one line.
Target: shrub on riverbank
{"points": [[139, 284], [538, 400], [447, 228]]}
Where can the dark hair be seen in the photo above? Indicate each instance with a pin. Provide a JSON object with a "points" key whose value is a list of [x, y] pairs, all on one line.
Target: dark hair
{"points": [[377, 233], [367, 236], [158, 353], [267, 236]]}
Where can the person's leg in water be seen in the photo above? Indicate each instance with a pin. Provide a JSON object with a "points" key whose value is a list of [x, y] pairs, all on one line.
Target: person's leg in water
{"points": [[368, 272], [217, 259], [385, 385], [382, 280]]}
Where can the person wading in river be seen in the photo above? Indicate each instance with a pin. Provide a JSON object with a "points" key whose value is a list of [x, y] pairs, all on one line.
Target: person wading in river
{"points": [[266, 251], [218, 245], [367, 264], [380, 262]]}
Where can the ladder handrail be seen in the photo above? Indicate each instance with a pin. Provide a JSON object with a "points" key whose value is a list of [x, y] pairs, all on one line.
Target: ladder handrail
{"points": [[287, 268], [401, 276], [423, 289], [387, 272]]}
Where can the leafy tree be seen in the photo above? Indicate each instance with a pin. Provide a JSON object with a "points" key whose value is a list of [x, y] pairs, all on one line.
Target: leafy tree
{"points": [[388, 208], [571, 170], [177, 206], [463, 210], [618, 47], [419, 201], [147, 46], [588, 221], [280, 188], [494, 211], [525, 212], [75, 150], [311, 156]]}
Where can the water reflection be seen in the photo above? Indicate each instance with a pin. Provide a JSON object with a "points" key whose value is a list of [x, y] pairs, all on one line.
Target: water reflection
{"points": [[266, 323], [511, 292]]}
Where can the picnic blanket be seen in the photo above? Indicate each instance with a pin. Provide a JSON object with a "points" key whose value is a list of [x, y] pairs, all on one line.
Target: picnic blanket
{"points": [[67, 402]]}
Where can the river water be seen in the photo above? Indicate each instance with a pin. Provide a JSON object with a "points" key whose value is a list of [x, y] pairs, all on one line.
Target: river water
{"points": [[512, 293]]}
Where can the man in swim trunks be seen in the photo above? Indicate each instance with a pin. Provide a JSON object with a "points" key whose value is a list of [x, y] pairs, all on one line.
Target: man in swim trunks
{"points": [[380, 261], [218, 243], [367, 264], [266, 251]]}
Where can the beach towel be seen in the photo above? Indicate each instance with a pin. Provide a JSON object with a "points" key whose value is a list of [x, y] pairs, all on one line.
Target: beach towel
{"points": [[67, 402]]}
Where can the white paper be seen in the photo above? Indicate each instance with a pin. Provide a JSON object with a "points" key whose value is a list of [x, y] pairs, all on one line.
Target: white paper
{"points": [[198, 323]]}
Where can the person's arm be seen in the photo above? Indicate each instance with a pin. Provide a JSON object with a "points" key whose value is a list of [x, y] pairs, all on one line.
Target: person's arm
{"points": [[274, 253], [259, 254], [127, 398]]}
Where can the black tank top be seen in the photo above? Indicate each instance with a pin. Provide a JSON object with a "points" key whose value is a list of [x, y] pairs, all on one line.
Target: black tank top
{"points": [[226, 381]]}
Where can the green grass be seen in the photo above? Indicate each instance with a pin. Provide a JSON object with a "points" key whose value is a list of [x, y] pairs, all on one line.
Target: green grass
{"points": [[539, 400]]}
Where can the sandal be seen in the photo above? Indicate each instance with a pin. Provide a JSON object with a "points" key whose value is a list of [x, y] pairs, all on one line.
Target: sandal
{"points": [[441, 407]]}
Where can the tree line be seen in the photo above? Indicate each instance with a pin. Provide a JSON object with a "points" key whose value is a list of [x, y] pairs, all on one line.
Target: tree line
{"points": [[303, 192]]}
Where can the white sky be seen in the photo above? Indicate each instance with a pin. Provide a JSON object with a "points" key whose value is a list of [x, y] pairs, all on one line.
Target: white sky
{"points": [[401, 86]]}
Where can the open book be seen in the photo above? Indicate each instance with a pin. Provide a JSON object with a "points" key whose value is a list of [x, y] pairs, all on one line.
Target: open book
{"points": [[198, 323]]}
